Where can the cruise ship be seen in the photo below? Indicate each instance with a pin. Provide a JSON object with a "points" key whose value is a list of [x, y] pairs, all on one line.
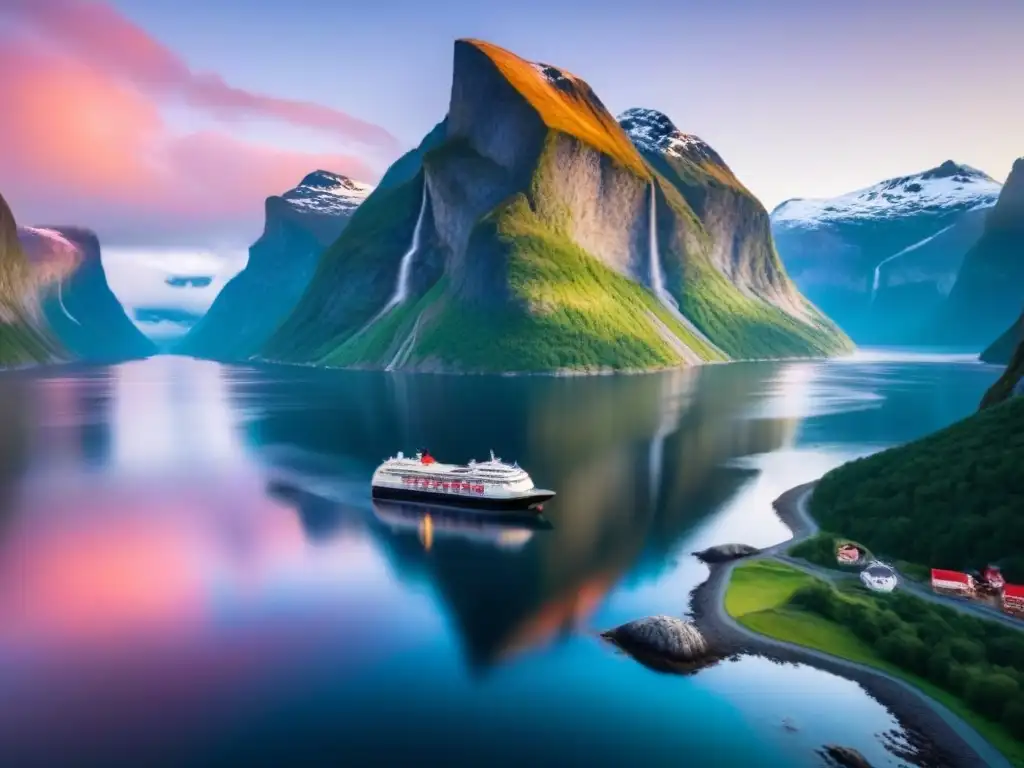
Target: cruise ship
{"points": [[486, 485]]}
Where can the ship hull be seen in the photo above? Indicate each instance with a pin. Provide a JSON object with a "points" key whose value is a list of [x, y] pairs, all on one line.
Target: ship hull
{"points": [[528, 502]]}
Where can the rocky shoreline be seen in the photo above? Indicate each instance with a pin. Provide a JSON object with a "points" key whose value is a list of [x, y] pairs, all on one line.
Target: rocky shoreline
{"points": [[935, 741]]}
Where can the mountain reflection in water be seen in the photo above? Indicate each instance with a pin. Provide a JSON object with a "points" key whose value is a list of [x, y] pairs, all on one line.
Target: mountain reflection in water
{"points": [[192, 570]]}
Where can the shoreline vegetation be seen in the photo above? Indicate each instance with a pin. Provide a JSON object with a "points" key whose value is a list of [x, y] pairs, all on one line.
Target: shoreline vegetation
{"points": [[774, 606]]}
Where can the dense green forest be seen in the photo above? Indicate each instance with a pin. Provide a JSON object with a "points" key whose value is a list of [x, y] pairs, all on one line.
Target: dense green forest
{"points": [[953, 499], [978, 661]]}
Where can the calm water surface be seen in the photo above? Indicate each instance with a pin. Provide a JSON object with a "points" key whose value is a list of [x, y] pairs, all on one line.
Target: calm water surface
{"points": [[192, 570]]}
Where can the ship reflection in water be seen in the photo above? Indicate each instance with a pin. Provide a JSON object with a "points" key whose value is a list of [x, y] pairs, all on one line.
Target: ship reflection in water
{"points": [[505, 531], [192, 570]]}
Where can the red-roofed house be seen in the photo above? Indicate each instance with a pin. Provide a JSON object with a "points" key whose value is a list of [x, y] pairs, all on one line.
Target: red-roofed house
{"points": [[847, 554], [952, 580], [1013, 597]]}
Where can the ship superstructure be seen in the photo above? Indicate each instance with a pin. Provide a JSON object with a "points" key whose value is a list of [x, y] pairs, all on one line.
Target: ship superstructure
{"points": [[489, 484]]}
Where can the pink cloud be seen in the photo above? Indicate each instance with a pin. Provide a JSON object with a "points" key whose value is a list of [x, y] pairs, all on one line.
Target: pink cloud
{"points": [[96, 33], [89, 148]]}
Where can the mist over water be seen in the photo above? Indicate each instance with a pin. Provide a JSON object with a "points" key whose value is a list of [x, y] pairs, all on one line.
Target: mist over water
{"points": [[192, 570]]}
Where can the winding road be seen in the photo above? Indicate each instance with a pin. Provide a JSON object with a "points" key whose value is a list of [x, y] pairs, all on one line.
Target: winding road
{"points": [[959, 740], [808, 528]]}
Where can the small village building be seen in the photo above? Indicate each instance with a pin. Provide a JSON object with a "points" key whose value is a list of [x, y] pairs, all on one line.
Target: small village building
{"points": [[952, 581], [879, 577], [1013, 598], [994, 577], [847, 554]]}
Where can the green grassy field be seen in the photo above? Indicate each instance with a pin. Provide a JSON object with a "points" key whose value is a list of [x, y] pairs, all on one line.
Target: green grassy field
{"points": [[758, 597]]}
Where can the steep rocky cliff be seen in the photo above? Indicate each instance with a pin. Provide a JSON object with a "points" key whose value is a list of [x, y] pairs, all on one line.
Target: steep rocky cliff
{"points": [[299, 225], [78, 307], [989, 292], [534, 236], [22, 341], [879, 260], [55, 303], [740, 241]]}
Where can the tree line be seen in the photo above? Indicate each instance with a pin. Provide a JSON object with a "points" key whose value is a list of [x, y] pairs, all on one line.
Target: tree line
{"points": [[978, 661], [951, 500]]}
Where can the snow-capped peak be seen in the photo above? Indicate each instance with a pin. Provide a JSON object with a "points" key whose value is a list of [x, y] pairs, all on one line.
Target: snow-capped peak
{"points": [[327, 193], [945, 188], [653, 131]]}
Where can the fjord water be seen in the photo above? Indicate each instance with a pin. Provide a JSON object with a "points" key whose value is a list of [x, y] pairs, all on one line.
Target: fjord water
{"points": [[192, 571]]}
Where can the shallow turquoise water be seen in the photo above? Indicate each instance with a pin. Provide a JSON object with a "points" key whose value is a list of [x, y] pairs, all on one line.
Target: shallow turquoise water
{"points": [[192, 572]]}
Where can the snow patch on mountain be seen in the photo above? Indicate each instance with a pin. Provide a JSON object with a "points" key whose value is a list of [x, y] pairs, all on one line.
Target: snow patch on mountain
{"points": [[949, 187], [653, 131], [326, 193]]}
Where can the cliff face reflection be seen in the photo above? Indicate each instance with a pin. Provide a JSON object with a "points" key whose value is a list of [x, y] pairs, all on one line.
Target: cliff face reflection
{"points": [[194, 547], [636, 463]]}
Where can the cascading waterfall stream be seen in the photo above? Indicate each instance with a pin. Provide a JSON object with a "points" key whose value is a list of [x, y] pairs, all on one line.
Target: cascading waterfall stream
{"points": [[877, 281], [60, 300], [404, 268], [657, 277]]}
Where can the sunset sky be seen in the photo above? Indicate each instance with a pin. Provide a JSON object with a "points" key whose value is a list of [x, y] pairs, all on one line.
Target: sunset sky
{"points": [[169, 121]]}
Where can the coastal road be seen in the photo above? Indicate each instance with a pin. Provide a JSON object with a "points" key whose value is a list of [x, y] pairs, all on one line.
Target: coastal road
{"points": [[959, 740], [968, 747], [804, 526]]}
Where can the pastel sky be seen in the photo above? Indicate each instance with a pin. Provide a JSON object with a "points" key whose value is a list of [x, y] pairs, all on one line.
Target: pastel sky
{"points": [[168, 121]]}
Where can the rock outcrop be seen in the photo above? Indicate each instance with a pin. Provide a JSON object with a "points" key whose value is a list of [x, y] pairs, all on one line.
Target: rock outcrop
{"points": [[989, 292], [528, 233], [880, 260], [722, 553], [844, 757], [663, 642], [1010, 383], [299, 225], [1001, 350]]}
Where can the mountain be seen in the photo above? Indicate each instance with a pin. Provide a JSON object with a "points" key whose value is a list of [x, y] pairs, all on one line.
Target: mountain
{"points": [[1008, 349], [78, 307], [989, 292], [21, 340], [299, 225], [528, 233], [880, 260], [739, 229], [1001, 350], [55, 303]]}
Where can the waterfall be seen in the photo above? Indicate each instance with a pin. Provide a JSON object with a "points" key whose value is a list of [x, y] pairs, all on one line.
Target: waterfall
{"points": [[60, 300], [657, 279], [878, 270], [405, 266]]}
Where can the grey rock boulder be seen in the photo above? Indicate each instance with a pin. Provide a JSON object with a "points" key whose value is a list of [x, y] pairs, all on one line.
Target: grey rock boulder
{"points": [[722, 553], [664, 643]]}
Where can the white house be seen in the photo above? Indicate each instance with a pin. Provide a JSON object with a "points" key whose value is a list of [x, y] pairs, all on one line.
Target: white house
{"points": [[879, 577]]}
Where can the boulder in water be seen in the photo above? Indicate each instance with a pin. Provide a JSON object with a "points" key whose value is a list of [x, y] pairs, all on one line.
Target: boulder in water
{"points": [[664, 643], [844, 757], [722, 553]]}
